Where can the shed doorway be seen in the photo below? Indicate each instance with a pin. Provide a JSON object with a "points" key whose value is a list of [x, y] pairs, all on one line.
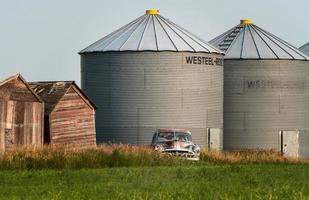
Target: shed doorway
{"points": [[290, 143], [46, 138]]}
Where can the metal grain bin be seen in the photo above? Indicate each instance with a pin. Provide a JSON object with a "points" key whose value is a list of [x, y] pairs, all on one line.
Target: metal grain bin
{"points": [[151, 74], [305, 48], [266, 88]]}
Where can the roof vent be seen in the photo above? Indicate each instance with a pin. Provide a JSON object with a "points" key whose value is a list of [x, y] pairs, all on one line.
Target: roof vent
{"points": [[152, 12], [246, 21]]}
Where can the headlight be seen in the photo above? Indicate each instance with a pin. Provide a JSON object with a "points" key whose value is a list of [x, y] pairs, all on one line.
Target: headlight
{"points": [[196, 149], [159, 148]]}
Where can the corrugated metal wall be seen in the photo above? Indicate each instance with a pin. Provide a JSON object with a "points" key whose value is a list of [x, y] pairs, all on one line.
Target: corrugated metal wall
{"points": [[304, 144], [262, 97], [138, 92]]}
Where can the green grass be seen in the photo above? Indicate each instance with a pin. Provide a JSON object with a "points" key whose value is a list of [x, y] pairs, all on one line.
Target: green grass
{"points": [[232, 181], [130, 172]]}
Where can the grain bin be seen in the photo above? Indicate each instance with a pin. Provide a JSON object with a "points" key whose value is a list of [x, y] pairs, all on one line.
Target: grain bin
{"points": [[305, 48], [150, 74], [266, 89]]}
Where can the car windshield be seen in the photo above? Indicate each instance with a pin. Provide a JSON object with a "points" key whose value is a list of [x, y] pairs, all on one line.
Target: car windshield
{"points": [[179, 136]]}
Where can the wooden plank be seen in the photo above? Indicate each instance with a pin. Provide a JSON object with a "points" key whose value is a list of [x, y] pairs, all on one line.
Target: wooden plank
{"points": [[3, 109], [67, 114], [39, 119], [19, 122], [64, 121], [9, 115], [72, 130]]}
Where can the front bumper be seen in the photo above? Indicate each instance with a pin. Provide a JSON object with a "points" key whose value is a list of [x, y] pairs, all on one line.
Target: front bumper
{"points": [[189, 155]]}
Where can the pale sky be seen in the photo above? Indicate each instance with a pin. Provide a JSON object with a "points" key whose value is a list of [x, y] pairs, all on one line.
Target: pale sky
{"points": [[41, 38]]}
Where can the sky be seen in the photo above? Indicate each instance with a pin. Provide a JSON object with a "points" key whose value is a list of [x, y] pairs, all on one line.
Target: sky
{"points": [[41, 38]]}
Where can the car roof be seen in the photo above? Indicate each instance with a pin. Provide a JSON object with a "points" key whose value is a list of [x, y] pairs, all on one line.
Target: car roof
{"points": [[167, 130]]}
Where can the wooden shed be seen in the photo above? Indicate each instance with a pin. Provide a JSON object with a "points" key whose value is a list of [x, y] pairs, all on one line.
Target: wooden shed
{"points": [[21, 114], [69, 114]]}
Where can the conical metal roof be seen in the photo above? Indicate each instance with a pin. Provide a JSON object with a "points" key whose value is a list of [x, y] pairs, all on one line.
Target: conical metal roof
{"points": [[248, 41], [151, 32], [305, 48]]}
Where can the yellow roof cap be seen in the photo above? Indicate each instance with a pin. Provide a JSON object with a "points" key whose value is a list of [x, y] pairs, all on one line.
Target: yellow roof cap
{"points": [[152, 12], [246, 21]]}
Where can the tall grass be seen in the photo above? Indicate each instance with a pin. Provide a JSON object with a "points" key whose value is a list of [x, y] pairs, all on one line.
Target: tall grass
{"points": [[106, 156], [248, 157], [63, 157]]}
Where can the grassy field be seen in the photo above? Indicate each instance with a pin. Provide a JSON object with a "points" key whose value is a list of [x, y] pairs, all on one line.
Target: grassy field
{"points": [[126, 172], [253, 181]]}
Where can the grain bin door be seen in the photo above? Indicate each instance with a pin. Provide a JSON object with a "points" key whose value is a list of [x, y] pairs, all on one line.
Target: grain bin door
{"points": [[290, 143], [215, 139]]}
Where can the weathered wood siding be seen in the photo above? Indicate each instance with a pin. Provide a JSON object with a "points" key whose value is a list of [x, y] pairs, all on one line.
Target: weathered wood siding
{"points": [[16, 90], [72, 121], [21, 115], [21, 123]]}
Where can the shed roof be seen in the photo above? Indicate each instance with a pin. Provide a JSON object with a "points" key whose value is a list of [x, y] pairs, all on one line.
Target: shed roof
{"points": [[305, 48], [248, 41], [19, 76], [151, 32], [51, 93]]}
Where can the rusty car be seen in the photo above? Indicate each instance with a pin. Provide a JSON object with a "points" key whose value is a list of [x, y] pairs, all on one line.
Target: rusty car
{"points": [[176, 142]]}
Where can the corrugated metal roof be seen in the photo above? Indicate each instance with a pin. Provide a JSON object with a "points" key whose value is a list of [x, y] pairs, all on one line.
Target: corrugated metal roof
{"points": [[305, 48], [151, 32], [248, 41]]}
